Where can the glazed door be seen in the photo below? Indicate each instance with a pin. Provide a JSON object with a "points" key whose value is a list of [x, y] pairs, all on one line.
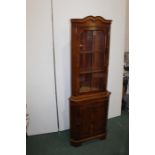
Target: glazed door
{"points": [[92, 68]]}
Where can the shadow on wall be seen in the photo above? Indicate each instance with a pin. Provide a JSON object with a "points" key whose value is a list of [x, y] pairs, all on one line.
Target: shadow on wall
{"points": [[64, 91]]}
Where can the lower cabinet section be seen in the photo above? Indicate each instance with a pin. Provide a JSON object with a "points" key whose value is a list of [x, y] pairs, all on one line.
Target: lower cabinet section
{"points": [[88, 118]]}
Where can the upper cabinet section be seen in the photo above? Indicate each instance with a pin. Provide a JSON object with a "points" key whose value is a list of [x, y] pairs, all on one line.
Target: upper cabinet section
{"points": [[90, 54]]}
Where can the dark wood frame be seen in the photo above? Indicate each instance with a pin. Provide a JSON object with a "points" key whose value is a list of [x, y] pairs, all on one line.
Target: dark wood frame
{"points": [[88, 110]]}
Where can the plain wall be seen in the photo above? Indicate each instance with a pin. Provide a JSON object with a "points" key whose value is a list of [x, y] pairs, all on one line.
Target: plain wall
{"points": [[41, 105], [63, 12], [127, 27]]}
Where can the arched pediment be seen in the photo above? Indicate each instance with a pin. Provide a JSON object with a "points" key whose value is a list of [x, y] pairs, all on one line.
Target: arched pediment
{"points": [[92, 19]]}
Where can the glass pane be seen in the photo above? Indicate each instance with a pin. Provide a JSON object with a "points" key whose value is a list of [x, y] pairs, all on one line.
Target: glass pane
{"points": [[92, 47], [99, 47], [92, 82], [85, 82], [98, 63], [99, 40], [85, 62], [98, 82], [86, 41], [86, 46]]}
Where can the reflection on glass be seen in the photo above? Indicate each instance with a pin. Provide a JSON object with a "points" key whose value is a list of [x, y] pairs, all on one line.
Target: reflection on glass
{"points": [[92, 47]]}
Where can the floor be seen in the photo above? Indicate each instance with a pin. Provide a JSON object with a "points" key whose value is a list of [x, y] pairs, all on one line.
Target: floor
{"points": [[116, 143]]}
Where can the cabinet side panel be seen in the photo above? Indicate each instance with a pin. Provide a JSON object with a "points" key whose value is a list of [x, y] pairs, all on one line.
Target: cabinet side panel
{"points": [[74, 59]]}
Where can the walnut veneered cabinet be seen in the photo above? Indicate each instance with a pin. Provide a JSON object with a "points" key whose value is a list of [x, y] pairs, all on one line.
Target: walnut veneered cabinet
{"points": [[90, 39]]}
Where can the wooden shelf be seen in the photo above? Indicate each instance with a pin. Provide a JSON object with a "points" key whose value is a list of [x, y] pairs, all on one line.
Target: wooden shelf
{"points": [[91, 52], [87, 89], [91, 71], [86, 52]]}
